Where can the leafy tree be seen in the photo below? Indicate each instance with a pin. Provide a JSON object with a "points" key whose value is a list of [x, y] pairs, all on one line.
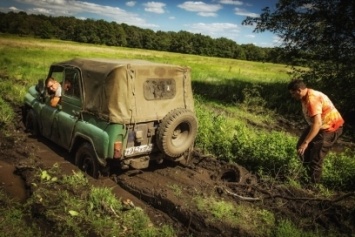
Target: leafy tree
{"points": [[203, 45], [120, 35], [134, 36], [254, 53], [224, 47], [163, 40], [182, 42], [321, 35], [148, 39]]}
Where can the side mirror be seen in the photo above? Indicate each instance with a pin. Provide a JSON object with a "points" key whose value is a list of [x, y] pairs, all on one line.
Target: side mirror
{"points": [[40, 86], [40, 90]]}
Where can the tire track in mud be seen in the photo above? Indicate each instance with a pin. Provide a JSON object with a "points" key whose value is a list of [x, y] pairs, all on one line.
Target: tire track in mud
{"points": [[162, 189], [165, 192], [45, 154], [176, 189], [168, 192]]}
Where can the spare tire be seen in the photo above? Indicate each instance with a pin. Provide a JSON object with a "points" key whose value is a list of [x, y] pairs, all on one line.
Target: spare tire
{"points": [[177, 132]]}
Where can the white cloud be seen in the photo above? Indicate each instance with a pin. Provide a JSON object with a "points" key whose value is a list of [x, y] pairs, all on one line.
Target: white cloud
{"points": [[276, 40], [231, 2], [201, 8], [14, 9], [207, 14], [215, 30], [42, 11], [155, 7], [243, 12], [131, 3], [78, 8], [250, 36]]}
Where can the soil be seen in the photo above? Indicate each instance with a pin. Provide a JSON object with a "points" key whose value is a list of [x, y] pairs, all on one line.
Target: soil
{"points": [[166, 191]]}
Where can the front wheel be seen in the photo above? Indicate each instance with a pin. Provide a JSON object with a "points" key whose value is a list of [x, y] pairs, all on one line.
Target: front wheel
{"points": [[31, 122], [86, 161]]}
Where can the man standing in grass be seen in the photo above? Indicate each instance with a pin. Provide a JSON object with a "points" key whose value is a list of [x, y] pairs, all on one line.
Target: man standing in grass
{"points": [[325, 125]]}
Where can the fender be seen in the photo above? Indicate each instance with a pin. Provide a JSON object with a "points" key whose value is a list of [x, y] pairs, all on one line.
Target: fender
{"points": [[97, 137]]}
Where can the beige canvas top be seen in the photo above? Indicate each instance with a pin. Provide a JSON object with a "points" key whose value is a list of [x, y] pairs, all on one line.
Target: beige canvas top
{"points": [[116, 90]]}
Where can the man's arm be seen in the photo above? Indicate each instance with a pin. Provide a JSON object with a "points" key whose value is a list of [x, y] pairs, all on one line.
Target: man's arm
{"points": [[54, 101], [314, 130]]}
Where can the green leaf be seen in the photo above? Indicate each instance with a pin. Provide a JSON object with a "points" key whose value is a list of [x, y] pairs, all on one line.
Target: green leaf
{"points": [[45, 175], [73, 213]]}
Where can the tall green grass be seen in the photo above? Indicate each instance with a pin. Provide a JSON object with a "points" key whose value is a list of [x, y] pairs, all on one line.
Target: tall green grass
{"points": [[75, 209]]}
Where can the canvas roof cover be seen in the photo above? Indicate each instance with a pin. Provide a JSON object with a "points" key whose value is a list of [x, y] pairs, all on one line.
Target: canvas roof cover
{"points": [[114, 89]]}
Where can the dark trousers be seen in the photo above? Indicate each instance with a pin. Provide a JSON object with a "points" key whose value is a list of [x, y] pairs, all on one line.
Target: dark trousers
{"points": [[316, 151]]}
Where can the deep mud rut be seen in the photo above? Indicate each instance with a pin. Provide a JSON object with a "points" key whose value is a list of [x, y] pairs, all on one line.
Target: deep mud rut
{"points": [[167, 192]]}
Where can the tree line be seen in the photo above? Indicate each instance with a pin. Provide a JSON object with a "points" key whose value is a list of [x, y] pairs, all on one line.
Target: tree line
{"points": [[114, 34]]}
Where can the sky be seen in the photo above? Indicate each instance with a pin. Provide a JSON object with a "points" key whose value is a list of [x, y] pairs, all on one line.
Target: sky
{"points": [[215, 18]]}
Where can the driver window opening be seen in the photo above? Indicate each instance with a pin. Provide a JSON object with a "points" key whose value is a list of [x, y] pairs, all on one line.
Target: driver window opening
{"points": [[70, 83]]}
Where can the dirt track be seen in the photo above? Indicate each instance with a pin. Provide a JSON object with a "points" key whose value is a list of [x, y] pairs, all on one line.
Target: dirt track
{"points": [[168, 192]]}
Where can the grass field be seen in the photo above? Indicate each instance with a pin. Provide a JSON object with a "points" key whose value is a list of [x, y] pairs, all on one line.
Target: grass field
{"points": [[237, 102]]}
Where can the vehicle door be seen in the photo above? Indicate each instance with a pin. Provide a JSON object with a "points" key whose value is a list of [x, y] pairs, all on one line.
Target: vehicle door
{"points": [[70, 108], [48, 113]]}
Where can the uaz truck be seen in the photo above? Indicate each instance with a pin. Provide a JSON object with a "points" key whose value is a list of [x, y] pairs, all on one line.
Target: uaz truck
{"points": [[127, 112]]}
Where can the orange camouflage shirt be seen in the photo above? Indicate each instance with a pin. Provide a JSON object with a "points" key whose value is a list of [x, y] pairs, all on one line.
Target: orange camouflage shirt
{"points": [[315, 102]]}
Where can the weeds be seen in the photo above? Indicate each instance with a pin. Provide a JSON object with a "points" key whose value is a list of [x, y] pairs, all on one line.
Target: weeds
{"points": [[13, 219], [236, 105], [6, 114], [250, 219], [78, 209], [176, 189]]}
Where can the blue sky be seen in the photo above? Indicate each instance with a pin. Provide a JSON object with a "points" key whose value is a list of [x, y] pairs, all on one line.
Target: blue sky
{"points": [[216, 18]]}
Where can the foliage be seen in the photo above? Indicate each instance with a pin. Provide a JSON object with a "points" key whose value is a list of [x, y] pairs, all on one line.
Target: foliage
{"points": [[13, 219], [230, 137], [266, 152], [339, 170], [319, 35], [248, 218], [237, 102], [220, 143], [114, 34], [7, 113], [233, 100], [287, 228], [79, 209]]}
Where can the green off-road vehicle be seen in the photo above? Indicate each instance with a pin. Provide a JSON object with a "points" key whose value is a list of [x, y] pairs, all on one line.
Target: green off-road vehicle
{"points": [[125, 112]]}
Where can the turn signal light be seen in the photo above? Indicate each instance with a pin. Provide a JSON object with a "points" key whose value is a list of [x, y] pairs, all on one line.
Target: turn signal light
{"points": [[117, 148]]}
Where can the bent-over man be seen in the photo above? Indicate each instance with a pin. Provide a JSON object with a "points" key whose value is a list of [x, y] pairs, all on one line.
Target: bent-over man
{"points": [[325, 125]]}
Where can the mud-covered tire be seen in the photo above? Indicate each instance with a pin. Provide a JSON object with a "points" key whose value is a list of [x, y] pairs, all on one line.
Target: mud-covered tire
{"points": [[86, 161], [229, 173], [177, 132], [31, 122], [233, 173]]}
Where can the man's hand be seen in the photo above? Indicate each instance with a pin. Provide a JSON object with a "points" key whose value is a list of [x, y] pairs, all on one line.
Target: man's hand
{"points": [[301, 149], [315, 127]]}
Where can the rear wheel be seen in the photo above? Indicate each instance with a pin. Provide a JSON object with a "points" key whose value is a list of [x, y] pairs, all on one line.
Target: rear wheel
{"points": [[86, 161], [177, 132]]}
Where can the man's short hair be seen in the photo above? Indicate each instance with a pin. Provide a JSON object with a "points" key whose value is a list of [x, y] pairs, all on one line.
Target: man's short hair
{"points": [[296, 84], [48, 80]]}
